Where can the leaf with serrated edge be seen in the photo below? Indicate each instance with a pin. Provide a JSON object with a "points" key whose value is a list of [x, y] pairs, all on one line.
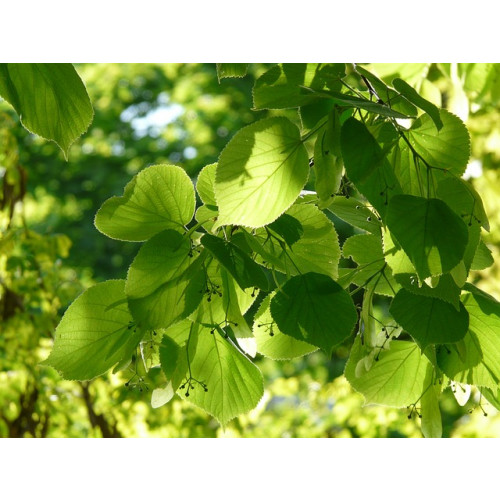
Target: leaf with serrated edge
{"points": [[396, 379], [95, 333], [50, 99], [174, 300], [163, 258], [430, 233], [271, 342], [447, 149], [481, 365], [231, 70], [234, 384], [260, 173], [429, 320], [355, 213], [315, 309], [159, 197], [205, 184], [317, 250]]}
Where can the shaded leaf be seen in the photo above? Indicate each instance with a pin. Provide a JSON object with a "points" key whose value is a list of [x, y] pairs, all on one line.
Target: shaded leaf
{"points": [[271, 342], [430, 233], [315, 309], [413, 96], [242, 268], [480, 362], [355, 213], [205, 184], [429, 320], [281, 86], [50, 99]]}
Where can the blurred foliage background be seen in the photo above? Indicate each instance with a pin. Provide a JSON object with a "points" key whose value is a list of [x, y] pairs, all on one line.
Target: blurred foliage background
{"points": [[50, 252]]}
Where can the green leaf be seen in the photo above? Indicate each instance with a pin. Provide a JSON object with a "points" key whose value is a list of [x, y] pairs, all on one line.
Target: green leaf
{"points": [[413, 73], [159, 197], [387, 95], [461, 196], [366, 251], [482, 258], [328, 164], [281, 86], [95, 333], [432, 426], [213, 307], [429, 320], [231, 70], [260, 173], [315, 309], [411, 174], [357, 102], [288, 228], [207, 216], [396, 379], [50, 99], [413, 96], [480, 365], [492, 397], [244, 270], [448, 148], [163, 258], [361, 152], [234, 319], [446, 288], [366, 165], [234, 384], [173, 359], [311, 114], [404, 273], [271, 342], [205, 185], [317, 250], [431, 234], [175, 299], [355, 213]]}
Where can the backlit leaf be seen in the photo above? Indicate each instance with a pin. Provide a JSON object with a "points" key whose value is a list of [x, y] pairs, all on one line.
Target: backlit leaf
{"points": [[95, 333], [260, 173], [159, 197]]}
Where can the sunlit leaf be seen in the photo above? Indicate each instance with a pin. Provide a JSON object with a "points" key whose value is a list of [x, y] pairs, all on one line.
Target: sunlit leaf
{"points": [[159, 197], [447, 149], [95, 333], [396, 379], [234, 385], [231, 70], [260, 173]]}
